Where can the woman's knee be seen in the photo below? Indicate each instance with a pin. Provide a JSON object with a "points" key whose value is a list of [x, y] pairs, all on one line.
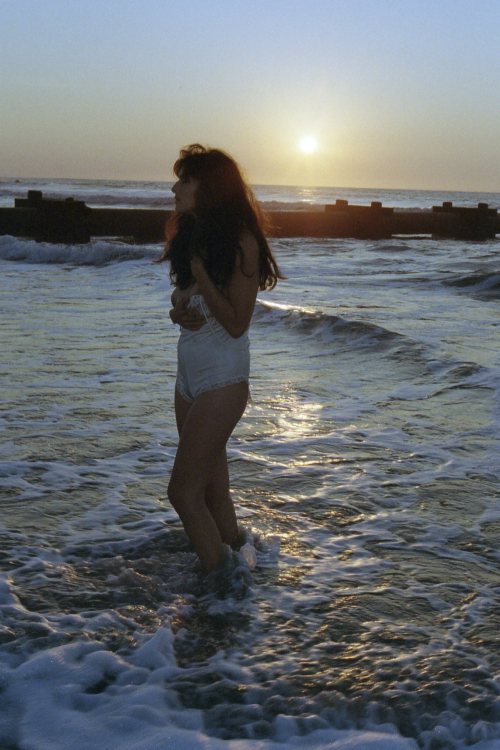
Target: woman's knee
{"points": [[175, 494], [182, 496]]}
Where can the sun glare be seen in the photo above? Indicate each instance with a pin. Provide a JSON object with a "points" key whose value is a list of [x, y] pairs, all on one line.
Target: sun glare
{"points": [[308, 144]]}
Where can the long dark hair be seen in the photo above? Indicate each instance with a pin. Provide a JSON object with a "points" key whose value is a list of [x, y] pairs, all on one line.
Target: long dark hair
{"points": [[225, 208]]}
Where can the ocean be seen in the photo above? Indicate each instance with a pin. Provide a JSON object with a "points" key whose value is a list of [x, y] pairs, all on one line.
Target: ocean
{"points": [[365, 473]]}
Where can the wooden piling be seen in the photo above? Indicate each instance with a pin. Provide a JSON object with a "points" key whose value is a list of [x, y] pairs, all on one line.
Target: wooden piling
{"points": [[363, 222], [71, 221], [466, 222], [59, 221]]}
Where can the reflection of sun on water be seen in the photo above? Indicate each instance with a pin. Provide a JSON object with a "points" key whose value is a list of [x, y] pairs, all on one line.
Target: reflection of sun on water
{"points": [[297, 417], [308, 144]]}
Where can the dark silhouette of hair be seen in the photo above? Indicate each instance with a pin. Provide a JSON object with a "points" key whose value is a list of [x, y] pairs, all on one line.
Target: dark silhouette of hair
{"points": [[225, 207]]}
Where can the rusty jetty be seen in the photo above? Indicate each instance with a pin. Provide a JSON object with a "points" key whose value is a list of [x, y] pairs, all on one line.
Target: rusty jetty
{"points": [[72, 221]]}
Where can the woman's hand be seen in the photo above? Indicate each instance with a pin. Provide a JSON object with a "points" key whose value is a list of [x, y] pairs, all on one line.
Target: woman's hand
{"points": [[185, 316]]}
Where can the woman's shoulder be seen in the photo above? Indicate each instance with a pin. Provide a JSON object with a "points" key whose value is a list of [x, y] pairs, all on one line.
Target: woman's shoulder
{"points": [[248, 242]]}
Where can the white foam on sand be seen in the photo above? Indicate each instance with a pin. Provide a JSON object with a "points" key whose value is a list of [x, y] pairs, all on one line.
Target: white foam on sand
{"points": [[80, 696], [56, 699]]}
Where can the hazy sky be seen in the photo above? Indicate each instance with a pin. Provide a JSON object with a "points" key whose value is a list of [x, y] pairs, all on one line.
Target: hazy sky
{"points": [[396, 93]]}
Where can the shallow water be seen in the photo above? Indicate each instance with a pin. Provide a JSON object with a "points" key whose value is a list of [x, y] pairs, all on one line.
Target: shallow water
{"points": [[365, 472]]}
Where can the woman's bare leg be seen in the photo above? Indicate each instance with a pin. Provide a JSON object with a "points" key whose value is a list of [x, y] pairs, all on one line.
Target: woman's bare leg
{"points": [[220, 504], [205, 426], [217, 493]]}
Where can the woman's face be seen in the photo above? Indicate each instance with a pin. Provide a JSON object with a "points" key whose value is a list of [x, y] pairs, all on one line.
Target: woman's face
{"points": [[185, 194]]}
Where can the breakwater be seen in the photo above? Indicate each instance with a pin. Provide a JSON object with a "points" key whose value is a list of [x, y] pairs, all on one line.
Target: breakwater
{"points": [[72, 221]]}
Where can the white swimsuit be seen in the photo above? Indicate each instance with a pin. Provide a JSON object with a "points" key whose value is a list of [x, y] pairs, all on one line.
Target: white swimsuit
{"points": [[210, 357]]}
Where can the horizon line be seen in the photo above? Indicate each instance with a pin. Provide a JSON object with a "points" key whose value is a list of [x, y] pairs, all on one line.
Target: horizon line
{"points": [[257, 184]]}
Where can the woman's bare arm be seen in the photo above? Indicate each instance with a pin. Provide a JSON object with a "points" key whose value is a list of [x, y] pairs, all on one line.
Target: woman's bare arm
{"points": [[233, 310]]}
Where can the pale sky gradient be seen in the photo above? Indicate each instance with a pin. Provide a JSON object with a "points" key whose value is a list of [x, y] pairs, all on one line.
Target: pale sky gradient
{"points": [[397, 93]]}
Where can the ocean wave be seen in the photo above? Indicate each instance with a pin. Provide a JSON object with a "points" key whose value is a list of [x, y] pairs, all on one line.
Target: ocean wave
{"points": [[95, 253], [130, 201], [300, 205], [481, 284], [336, 335], [325, 327]]}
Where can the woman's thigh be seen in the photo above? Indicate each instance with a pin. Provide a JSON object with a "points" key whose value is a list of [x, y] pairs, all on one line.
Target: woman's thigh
{"points": [[205, 427], [182, 408]]}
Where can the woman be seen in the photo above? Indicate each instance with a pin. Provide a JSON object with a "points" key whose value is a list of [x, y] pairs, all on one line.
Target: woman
{"points": [[219, 259]]}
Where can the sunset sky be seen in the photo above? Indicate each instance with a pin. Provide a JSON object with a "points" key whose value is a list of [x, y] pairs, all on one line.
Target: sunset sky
{"points": [[364, 93]]}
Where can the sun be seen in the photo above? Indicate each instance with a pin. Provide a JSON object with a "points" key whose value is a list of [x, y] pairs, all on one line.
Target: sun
{"points": [[308, 144]]}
